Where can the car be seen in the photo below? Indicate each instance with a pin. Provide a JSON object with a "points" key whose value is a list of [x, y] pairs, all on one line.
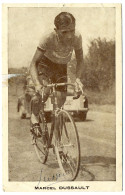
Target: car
{"points": [[77, 107]]}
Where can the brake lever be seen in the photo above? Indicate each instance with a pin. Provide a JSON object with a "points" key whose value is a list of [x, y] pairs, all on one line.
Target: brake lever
{"points": [[79, 93]]}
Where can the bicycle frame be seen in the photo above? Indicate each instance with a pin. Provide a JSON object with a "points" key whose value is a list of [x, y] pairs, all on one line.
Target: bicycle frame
{"points": [[66, 144], [55, 109]]}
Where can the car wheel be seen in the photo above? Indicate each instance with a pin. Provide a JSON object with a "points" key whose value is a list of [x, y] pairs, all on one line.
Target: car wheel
{"points": [[22, 112], [82, 115], [86, 103]]}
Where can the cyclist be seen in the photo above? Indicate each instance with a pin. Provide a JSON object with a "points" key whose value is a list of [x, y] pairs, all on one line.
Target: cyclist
{"points": [[50, 61]]}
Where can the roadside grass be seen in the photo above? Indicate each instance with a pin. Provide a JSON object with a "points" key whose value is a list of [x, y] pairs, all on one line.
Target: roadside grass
{"points": [[102, 101], [103, 108], [101, 98]]}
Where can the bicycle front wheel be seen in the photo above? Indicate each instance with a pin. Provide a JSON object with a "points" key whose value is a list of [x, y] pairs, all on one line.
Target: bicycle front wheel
{"points": [[67, 145]]}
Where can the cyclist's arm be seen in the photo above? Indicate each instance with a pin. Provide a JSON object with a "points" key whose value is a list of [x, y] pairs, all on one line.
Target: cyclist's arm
{"points": [[33, 66], [80, 63]]}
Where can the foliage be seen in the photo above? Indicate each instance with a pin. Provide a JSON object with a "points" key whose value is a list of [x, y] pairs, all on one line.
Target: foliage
{"points": [[99, 65]]}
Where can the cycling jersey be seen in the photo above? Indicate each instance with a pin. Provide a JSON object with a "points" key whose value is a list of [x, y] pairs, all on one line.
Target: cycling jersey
{"points": [[57, 51]]}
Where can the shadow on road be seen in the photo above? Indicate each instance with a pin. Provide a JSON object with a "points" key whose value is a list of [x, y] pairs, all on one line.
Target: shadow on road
{"points": [[79, 120], [93, 168], [98, 159], [88, 120], [95, 161]]}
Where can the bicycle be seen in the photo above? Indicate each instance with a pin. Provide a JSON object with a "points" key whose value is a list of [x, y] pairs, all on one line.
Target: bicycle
{"points": [[62, 138]]}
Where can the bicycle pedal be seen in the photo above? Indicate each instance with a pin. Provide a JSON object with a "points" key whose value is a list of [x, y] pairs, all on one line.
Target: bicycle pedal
{"points": [[36, 132]]}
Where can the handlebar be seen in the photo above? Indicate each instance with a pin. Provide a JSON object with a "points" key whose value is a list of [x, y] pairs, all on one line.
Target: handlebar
{"points": [[54, 85], [59, 85], [64, 84]]}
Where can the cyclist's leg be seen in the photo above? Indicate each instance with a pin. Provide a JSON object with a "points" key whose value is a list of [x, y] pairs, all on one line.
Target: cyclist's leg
{"points": [[61, 98], [61, 91], [35, 108], [36, 102]]}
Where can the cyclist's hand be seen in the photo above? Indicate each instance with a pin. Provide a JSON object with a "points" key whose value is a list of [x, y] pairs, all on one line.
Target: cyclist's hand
{"points": [[78, 85], [38, 88]]}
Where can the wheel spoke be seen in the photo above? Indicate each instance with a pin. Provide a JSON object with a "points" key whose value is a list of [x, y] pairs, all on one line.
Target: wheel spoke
{"points": [[68, 150]]}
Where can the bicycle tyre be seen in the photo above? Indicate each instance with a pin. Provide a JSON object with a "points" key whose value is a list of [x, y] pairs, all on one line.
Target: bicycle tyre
{"points": [[69, 148], [40, 146]]}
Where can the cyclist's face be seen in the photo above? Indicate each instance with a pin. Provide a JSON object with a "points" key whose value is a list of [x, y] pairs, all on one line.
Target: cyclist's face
{"points": [[66, 34]]}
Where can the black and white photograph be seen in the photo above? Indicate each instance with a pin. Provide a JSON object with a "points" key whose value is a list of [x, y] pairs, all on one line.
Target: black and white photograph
{"points": [[64, 65]]}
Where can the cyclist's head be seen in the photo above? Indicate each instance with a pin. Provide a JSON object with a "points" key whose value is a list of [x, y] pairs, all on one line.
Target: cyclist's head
{"points": [[65, 25], [64, 20]]}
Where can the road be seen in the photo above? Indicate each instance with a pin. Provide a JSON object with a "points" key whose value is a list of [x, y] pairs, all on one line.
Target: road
{"points": [[97, 140]]}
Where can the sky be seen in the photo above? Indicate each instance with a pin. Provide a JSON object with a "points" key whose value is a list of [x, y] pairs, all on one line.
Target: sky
{"points": [[27, 25]]}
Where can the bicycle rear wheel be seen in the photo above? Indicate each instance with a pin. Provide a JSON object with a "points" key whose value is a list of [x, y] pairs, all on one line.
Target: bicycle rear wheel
{"points": [[67, 146], [40, 142]]}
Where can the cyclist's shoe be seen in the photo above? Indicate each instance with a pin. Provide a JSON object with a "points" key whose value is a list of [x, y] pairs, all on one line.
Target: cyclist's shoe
{"points": [[36, 130], [37, 133]]}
